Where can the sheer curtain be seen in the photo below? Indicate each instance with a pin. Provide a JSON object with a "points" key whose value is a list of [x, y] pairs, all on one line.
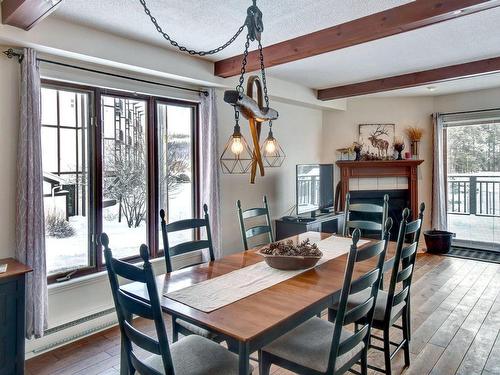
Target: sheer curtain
{"points": [[439, 178], [30, 233], [209, 167]]}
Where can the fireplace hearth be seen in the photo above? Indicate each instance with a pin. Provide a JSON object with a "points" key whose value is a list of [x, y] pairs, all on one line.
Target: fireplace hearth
{"points": [[398, 201]]}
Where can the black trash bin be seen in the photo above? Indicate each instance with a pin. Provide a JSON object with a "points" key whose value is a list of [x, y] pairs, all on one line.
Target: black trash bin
{"points": [[438, 241]]}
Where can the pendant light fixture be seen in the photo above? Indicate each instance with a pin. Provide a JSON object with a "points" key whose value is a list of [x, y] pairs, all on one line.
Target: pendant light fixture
{"points": [[257, 112], [237, 156], [272, 153]]}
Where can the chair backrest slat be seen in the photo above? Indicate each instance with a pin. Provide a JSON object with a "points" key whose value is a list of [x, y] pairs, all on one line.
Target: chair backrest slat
{"points": [[405, 273], [189, 246], [140, 339], [255, 231], [364, 281], [364, 224], [127, 306], [260, 229], [253, 212], [400, 296], [133, 273], [413, 226], [134, 306], [404, 261], [408, 251], [185, 225], [358, 312], [368, 281], [353, 340], [367, 208], [370, 252], [141, 368]]}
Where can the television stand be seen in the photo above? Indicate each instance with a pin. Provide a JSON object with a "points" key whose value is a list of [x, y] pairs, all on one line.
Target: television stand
{"points": [[327, 223]]}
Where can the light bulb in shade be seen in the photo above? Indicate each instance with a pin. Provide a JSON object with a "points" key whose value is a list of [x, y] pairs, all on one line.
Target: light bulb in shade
{"points": [[270, 146], [237, 146]]}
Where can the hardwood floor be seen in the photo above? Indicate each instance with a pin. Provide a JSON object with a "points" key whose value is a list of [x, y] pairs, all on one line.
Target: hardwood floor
{"points": [[455, 324]]}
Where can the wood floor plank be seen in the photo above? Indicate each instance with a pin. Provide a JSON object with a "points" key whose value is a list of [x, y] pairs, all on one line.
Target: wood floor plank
{"points": [[455, 352], [492, 365], [426, 360]]}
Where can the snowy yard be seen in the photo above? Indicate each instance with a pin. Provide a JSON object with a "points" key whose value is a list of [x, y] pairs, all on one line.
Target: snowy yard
{"points": [[72, 252]]}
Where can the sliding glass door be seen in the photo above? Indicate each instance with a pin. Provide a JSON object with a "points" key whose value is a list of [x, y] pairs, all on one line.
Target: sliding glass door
{"points": [[473, 189]]}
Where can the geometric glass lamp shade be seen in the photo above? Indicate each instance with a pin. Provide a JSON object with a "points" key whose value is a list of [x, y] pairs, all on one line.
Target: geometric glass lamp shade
{"points": [[237, 155], [273, 155]]}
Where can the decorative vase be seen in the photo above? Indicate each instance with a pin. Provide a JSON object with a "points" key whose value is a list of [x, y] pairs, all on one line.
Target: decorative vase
{"points": [[399, 148], [414, 149], [358, 155]]}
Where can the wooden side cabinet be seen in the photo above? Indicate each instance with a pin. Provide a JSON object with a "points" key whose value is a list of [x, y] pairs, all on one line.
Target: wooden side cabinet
{"points": [[12, 317], [329, 223]]}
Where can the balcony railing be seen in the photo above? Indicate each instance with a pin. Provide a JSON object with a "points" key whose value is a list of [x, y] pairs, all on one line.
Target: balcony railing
{"points": [[474, 195]]}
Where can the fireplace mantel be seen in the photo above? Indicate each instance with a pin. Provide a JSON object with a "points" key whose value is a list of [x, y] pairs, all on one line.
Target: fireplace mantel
{"points": [[381, 168]]}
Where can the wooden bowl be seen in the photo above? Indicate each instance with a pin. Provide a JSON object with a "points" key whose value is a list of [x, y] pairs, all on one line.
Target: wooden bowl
{"points": [[289, 263]]}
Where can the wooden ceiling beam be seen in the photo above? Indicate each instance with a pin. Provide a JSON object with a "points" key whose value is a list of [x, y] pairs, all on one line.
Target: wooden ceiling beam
{"points": [[447, 73], [411, 16], [25, 14]]}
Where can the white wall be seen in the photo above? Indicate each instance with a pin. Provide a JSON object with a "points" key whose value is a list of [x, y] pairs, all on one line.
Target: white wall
{"points": [[9, 117], [468, 101]]}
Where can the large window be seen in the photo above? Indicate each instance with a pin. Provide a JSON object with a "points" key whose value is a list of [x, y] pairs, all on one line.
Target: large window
{"points": [[111, 160], [65, 146]]}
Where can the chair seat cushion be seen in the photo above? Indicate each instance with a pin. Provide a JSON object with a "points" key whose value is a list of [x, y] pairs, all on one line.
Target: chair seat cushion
{"points": [[380, 306], [196, 355], [196, 329], [309, 345]]}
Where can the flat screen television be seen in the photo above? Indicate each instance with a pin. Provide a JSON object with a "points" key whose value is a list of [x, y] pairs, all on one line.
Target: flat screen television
{"points": [[314, 187]]}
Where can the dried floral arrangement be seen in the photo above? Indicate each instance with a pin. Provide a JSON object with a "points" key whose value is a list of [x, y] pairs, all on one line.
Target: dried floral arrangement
{"points": [[288, 248], [414, 133]]}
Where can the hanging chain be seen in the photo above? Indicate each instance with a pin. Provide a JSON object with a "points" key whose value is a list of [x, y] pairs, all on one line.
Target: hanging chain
{"points": [[243, 67], [263, 73], [185, 49]]}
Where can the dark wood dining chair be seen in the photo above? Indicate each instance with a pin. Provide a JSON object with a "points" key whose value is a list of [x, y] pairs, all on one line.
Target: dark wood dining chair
{"points": [[256, 230], [190, 355], [322, 347], [181, 326], [373, 211], [189, 246], [394, 303]]}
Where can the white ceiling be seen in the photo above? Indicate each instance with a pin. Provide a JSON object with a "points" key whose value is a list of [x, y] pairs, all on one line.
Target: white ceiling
{"points": [[204, 24]]}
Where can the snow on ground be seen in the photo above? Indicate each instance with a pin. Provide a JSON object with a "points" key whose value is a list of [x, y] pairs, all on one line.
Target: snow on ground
{"points": [[72, 252]]}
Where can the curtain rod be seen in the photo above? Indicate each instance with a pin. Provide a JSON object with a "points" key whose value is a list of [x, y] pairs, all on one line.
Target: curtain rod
{"points": [[475, 111], [10, 53]]}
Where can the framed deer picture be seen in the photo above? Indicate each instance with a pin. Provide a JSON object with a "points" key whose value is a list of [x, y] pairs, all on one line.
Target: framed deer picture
{"points": [[377, 140]]}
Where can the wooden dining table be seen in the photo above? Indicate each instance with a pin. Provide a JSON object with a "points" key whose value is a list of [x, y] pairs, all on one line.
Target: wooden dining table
{"points": [[257, 320]]}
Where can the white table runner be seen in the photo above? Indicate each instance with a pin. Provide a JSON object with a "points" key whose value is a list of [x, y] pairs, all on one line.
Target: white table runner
{"points": [[212, 294]]}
